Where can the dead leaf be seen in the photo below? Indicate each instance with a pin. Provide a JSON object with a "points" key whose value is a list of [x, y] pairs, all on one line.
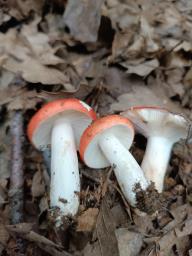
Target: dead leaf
{"points": [[186, 229], [83, 19], [25, 230], [32, 71], [166, 242], [139, 95], [87, 220], [141, 69], [105, 242], [21, 8], [105, 231], [38, 185], [43, 205], [29, 53], [4, 17], [3, 196], [129, 243], [4, 235], [19, 98]]}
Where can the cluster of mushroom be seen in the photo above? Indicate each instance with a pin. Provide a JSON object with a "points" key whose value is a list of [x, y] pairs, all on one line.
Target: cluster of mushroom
{"points": [[69, 125]]}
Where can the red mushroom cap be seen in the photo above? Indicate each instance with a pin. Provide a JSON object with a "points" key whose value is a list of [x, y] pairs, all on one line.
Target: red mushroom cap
{"points": [[74, 110], [89, 149]]}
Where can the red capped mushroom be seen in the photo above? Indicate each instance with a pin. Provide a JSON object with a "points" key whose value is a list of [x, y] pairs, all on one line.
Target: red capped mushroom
{"points": [[162, 129], [60, 124], [106, 143]]}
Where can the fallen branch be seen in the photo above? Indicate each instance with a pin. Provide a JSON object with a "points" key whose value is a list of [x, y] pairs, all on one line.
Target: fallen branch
{"points": [[16, 178]]}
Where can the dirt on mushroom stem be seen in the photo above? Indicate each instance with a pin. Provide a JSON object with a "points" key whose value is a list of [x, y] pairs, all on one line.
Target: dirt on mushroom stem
{"points": [[149, 200]]}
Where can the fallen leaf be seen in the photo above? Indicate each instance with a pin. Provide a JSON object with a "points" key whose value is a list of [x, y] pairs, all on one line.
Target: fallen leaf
{"points": [[4, 17], [4, 235], [129, 243], [186, 229], [139, 95], [33, 71], [21, 8], [38, 185], [83, 19], [105, 242], [141, 69], [166, 242], [87, 220], [19, 98]]}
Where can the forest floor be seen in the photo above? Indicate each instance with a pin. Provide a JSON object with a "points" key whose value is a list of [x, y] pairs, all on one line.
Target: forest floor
{"points": [[112, 54]]}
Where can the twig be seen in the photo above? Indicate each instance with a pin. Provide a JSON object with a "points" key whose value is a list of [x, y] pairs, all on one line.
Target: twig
{"points": [[16, 178]]}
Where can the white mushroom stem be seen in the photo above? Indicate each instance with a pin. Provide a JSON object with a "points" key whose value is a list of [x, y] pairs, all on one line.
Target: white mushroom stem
{"points": [[127, 170], [156, 159], [65, 180]]}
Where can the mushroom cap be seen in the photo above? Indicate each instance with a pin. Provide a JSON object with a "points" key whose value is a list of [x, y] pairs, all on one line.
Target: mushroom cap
{"points": [[157, 121], [74, 111], [89, 149]]}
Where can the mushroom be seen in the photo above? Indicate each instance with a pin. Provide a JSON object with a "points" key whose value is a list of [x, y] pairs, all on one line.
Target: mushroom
{"points": [[106, 143], [60, 124], [162, 129]]}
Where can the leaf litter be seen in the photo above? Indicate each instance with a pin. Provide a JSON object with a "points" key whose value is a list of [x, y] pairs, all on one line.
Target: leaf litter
{"points": [[112, 54]]}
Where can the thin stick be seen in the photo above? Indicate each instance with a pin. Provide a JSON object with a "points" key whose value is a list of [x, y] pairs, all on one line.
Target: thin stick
{"points": [[16, 178]]}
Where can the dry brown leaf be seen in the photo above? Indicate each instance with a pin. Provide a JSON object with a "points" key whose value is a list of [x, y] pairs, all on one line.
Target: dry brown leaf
{"points": [[105, 231], [166, 242], [33, 71], [141, 69], [186, 229], [106, 243], [21, 8], [179, 215], [19, 98], [129, 243], [4, 235], [38, 185], [139, 95], [29, 53], [188, 79], [86, 221], [175, 81], [83, 19], [4, 17]]}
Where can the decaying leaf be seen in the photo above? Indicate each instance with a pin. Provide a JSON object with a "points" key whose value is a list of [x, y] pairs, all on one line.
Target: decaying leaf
{"points": [[21, 8], [19, 98], [33, 71], [87, 220], [30, 55], [185, 230], [129, 243], [38, 185], [83, 19], [139, 95], [104, 235], [141, 69]]}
